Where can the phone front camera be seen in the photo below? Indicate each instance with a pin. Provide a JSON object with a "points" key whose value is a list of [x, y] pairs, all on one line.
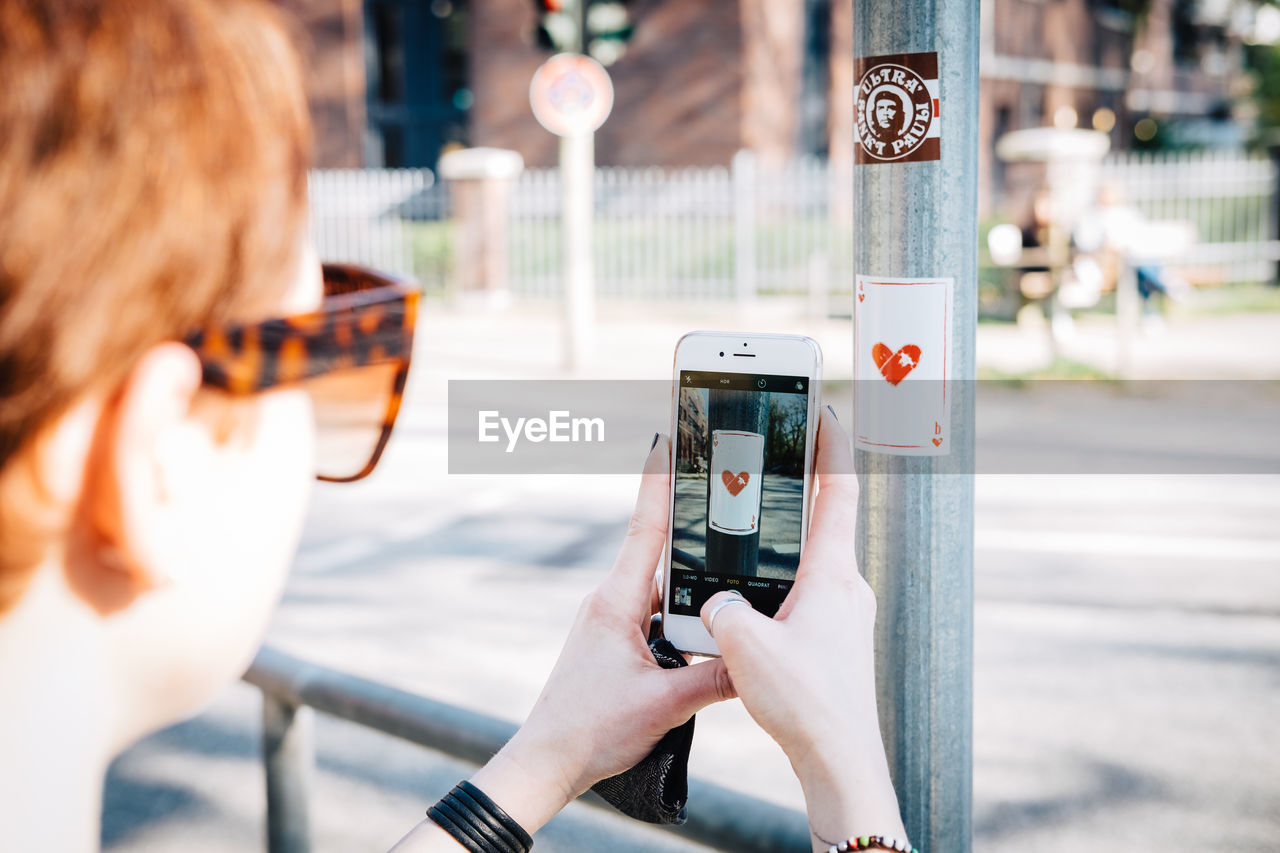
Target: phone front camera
{"points": [[722, 355]]}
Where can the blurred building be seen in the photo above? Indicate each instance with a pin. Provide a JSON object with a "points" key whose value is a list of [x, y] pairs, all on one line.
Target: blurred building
{"points": [[393, 82], [1149, 73]]}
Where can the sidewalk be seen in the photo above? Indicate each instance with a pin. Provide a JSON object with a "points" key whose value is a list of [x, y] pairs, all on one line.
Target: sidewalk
{"points": [[638, 340], [1230, 346]]}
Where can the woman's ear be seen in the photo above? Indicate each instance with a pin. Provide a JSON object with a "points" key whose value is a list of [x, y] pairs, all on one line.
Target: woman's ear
{"points": [[148, 458]]}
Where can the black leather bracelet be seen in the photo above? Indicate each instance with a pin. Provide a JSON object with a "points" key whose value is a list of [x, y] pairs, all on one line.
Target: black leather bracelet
{"points": [[451, 822], [493, 817], [477, 827], [478, 823]]}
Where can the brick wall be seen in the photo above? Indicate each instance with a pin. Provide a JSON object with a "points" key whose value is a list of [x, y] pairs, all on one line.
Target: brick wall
{"points": [[701, 80], [773, 37], [502, 60], [678, 89], [333, 72]]}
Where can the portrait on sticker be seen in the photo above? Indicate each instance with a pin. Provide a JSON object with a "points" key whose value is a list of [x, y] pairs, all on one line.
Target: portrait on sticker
{"points": [[897, 108]]}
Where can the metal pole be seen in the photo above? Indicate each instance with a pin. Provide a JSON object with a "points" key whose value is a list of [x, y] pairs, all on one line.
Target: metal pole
{"points": [[1273, 149], [579, 10], [733, 410], [289, 755], [743, 172], [1128, 316], [577, 185], [915, 544], [577, 174]]}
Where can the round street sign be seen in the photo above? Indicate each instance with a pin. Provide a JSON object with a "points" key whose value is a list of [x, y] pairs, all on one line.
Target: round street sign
{"points": [[571, 94]]}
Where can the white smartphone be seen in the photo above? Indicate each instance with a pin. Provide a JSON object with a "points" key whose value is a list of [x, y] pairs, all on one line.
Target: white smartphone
{"points": [[744, 413]]}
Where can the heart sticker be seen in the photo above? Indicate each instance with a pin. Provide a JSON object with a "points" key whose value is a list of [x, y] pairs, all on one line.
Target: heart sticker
{"points": [[861, 296], [735, 483], [894, 366], [937, 442]]}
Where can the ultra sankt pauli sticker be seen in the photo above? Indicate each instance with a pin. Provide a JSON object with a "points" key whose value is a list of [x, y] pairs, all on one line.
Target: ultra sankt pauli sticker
{"points": [[897, 108]]}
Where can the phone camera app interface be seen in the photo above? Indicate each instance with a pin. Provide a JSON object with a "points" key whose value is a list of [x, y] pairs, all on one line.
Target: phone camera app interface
{"points": [[739, 495]]}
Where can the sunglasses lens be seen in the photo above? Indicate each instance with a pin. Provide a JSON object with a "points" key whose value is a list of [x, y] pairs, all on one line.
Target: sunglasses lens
{"points": [[340, 279], [352, 410]]}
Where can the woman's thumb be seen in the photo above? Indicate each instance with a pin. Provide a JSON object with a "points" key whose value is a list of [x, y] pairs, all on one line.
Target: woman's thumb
{"points": [[731, 620], [698, 685]]}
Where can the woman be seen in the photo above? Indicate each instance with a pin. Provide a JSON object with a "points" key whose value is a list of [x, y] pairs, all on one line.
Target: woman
{"points": [[167, 347]]}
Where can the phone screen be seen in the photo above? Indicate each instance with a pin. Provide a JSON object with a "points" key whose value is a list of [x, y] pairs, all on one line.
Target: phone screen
{"points": [[739, 488]]}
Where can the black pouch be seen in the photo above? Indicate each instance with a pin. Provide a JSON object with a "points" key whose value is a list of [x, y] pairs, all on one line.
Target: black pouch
{"points": [[656, 790]]}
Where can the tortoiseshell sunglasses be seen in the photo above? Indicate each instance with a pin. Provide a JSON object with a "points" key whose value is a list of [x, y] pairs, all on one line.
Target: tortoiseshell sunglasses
{"points": [[352, 355]]}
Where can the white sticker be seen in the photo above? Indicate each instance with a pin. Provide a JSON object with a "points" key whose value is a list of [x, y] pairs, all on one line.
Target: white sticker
{"points": [[902, 361], [737, 467]]}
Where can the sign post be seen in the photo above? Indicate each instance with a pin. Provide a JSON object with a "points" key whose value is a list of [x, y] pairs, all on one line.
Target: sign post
{"points": [[571, 96], [738, 424], [915, 307]]}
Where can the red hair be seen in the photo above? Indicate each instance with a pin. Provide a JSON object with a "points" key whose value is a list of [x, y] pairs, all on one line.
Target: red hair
{"points": [[152, 181]]}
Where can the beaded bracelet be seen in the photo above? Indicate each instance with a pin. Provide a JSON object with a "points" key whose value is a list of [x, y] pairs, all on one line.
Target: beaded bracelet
{"points": [[871, 842]]}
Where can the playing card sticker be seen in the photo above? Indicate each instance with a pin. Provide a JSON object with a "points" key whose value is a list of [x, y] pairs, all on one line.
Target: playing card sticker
{"points": [[737, 465], [897, 109], [902, 339]]}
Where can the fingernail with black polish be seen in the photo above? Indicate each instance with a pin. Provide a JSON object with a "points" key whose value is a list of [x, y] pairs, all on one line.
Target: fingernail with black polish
{"points": [[833, 413], [654, 443]]}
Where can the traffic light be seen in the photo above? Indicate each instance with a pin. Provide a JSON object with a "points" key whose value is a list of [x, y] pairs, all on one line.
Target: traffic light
{"points": [[556, 29], [602, 27], [608, 30]]}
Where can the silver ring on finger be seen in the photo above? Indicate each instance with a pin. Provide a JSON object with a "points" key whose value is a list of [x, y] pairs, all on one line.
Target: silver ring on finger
{"points": [[715, 611]]}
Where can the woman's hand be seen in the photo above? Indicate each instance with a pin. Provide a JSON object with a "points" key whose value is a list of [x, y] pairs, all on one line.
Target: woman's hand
{"points": [[807, 676], [607, 702]]}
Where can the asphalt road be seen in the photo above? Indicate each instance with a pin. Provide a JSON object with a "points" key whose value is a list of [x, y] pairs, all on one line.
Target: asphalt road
{"points": [[1127, 656]]}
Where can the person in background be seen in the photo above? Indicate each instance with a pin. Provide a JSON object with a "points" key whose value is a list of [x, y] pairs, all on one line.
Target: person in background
{"points": [[170, 353], [1115, 234]]}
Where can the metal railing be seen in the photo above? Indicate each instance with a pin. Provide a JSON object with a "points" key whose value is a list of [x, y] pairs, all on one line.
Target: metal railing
{"points": [[735, 232], [291, 687]]}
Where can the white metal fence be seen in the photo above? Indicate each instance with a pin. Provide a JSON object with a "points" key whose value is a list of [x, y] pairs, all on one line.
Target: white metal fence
{"points": [[697, 233], [1229, 199], [735, 232], [376, 217]]}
